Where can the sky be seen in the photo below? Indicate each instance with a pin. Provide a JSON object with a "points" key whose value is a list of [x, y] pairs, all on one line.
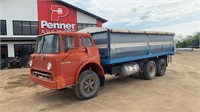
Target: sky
{"points": [[179, 16]]}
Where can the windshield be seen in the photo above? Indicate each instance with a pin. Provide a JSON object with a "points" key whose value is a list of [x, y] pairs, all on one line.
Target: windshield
{"points": [[47, 44]]}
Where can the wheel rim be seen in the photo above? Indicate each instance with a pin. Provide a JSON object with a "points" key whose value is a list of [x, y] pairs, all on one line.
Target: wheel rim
{"points": [[152, 71], [89, 85]]}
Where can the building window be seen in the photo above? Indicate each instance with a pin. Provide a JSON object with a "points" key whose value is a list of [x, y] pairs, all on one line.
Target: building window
{"points": [[24, 50], [3, 30], [4, 51], [25, 28], [83, 25]]}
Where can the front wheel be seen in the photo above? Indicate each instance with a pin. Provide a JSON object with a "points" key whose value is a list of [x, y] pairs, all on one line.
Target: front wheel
{"points": [[88, 85]]}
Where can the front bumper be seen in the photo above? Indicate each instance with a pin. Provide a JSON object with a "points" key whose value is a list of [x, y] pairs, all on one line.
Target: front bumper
{"points": [[45, 83]]}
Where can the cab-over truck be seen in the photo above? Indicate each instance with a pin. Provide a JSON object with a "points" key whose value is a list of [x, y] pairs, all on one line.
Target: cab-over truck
{"points": [[80, 59]]}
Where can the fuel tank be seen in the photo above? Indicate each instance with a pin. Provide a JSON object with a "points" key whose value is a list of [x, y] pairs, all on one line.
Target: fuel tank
{"points": [[129, 69]]}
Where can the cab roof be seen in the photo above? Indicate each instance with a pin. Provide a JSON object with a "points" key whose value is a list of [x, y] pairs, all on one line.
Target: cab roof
{"points": [[65, 33]]}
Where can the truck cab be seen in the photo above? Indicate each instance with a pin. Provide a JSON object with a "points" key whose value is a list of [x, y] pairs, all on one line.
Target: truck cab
{"points": [[62, 59]]}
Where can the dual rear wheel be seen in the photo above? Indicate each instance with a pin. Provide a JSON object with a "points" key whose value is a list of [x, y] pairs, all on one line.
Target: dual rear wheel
{"points": [[152, 68]]}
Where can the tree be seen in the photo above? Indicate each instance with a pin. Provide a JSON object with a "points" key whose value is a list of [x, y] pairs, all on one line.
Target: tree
{"points": [[188, 41]]}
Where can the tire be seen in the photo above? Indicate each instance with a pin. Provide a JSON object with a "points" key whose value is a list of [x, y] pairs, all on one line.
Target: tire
{"points": [[88, 85], [161, 67], [141, 75], [150, 70]]}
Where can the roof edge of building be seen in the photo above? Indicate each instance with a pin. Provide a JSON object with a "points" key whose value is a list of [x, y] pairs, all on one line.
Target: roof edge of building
{"points": [[81, 10]]}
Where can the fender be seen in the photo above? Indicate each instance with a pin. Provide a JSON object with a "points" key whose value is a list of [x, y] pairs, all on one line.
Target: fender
{"points": [[83, 65]]}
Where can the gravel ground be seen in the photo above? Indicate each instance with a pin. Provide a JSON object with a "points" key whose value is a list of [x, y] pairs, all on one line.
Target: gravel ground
{"points": [[177, 91]]}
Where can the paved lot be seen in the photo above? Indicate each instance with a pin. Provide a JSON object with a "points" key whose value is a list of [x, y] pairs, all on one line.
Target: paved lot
{"points": [[177, 91]]}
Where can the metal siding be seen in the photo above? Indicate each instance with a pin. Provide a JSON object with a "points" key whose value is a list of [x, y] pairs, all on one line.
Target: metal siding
{"points": [[160, 43], [131, 51], [128, 38], [100, 38], [128, 45], [83, 18], [123, 47], [101, 42]]}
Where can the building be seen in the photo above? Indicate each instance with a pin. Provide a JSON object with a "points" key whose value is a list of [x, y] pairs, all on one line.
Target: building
{"points": [[22, 20]]}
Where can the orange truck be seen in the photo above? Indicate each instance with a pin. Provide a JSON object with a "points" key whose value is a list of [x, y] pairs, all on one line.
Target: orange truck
{"points": [[80, 59]]}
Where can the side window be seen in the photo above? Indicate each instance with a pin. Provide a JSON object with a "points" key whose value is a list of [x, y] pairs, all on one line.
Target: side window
{"points": [[87, 42], [71, 41], [68, 42]]}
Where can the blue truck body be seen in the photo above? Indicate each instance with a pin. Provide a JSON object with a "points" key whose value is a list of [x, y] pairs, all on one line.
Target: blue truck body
{"points": [[118, 46]]}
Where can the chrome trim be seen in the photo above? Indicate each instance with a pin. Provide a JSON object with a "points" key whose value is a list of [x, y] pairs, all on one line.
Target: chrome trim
{"points": [[41, 75]]}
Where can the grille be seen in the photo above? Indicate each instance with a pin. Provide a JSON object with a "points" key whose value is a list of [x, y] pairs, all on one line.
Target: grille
{"points": [[42, 75]]}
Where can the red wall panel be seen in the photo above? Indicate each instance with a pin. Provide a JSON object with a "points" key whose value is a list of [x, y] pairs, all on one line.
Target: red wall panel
{"points": [[54, 16], [99, 23], [67, 17]]}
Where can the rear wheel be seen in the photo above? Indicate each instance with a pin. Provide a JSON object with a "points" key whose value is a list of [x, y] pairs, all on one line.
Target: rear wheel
{"points": [[161, 67], [88, 85], [150, 70], [141, 75]]}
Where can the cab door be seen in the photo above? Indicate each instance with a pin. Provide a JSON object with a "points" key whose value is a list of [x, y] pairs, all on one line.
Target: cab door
{"points": [[69, 59]]}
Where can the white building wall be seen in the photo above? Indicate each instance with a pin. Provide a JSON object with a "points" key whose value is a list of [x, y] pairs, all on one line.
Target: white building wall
{"points": [[1, 10], [83, 18], [11, 50], [17, 10]]}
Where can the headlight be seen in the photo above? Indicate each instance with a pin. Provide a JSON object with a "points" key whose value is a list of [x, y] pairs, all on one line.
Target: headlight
{"points": [[30, 63], [49, 66]]}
